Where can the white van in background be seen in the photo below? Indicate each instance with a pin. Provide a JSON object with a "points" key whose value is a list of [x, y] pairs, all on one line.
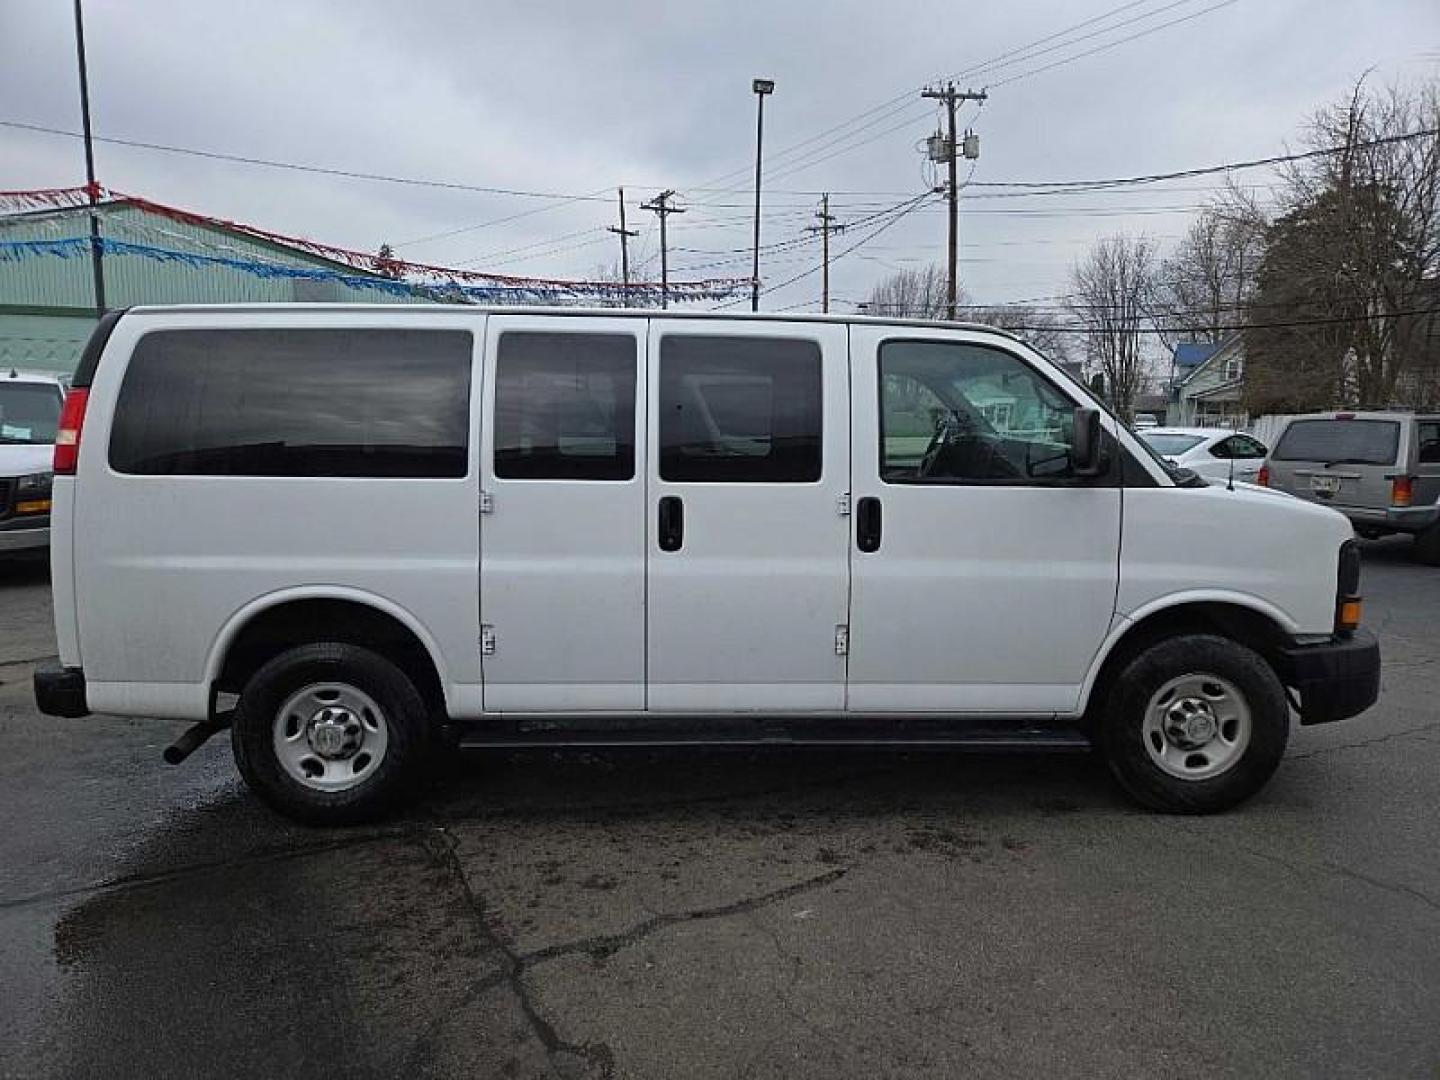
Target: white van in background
{"points": [[29, 417], [338, 530]]}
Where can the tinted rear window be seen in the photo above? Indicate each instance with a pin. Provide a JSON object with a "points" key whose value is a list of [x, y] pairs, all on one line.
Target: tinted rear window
{"points": [[1355, 442], [295, 403]]}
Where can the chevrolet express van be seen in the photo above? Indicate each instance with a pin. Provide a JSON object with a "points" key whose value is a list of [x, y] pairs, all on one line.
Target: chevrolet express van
{"points": [[352, 534]]}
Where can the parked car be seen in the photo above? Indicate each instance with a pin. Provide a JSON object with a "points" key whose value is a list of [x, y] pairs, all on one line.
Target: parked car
{"points": [[29, 415], [335, 529], [1214, 453], [1379, 469], [1144, 422]]}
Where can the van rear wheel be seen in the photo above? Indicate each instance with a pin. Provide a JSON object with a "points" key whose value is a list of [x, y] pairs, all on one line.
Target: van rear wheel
{"points": [[1194, 725], [330, 733]]}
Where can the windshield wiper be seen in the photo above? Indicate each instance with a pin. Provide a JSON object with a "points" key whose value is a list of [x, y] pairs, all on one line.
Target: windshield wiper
{"points": [[1350, 461]]}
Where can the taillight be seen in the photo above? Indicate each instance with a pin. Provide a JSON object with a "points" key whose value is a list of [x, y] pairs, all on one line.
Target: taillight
{"points": [[1401, 491], [67, 438], [1263, 476]]}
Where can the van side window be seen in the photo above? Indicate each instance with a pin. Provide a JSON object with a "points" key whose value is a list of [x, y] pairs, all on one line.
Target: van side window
{"points": [[739, 410], [300, 402], [565, 406], [954, 413]]}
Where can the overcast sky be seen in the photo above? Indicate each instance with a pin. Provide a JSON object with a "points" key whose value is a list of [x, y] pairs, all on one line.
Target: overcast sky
{"points": [[575, 99]]}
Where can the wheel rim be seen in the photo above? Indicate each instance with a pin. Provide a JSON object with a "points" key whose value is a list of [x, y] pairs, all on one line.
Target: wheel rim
{"points": [[1197, 726], [330, 736]]}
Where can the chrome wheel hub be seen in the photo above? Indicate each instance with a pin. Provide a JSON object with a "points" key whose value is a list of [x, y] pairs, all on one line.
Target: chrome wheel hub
{"points": [[1196, 726], [330, 736]]}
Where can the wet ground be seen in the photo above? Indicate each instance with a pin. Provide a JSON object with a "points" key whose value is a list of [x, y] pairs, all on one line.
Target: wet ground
{"points": [[725, 914]]}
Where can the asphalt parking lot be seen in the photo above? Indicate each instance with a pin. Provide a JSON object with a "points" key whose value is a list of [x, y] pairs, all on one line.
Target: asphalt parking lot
{"points": [[725, 914]]}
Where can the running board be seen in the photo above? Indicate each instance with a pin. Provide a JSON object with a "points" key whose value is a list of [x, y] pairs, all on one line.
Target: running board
{"points": [[590, 734]]}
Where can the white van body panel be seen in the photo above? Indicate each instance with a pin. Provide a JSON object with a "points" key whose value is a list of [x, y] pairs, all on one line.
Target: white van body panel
{"points": [[981, 598], [168, 561], [562, 567], [1249, 546], [744, 616]]}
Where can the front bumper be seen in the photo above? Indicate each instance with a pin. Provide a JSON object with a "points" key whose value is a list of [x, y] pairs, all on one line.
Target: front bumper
{"points": [[25, 533], [1334, 679], [60, 691]]}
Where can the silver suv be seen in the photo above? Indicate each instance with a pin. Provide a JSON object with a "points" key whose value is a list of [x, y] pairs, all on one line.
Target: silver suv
{"points": [[1379, 469], [29, 416]]}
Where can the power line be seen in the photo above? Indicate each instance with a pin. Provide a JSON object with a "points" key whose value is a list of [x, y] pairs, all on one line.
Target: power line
{"points": [[1253, 163], [902, 209]]}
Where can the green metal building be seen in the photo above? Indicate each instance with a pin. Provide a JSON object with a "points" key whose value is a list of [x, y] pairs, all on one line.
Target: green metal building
{"points": [[47, 303]]}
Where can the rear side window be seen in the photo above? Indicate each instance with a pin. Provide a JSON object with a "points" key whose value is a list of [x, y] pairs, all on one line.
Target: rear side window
{"points": [[565, 406], [740, 410], [372, 403], [1428, 436], [1349, 442]]}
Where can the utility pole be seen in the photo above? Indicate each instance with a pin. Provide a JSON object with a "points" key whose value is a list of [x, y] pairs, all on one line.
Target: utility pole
{"points": [[947, 146], [97, 255], [825, 228], [660, 205], [625, 235]]}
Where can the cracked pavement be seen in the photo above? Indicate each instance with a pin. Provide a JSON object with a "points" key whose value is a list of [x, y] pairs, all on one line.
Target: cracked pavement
{"points": [[728, 914]]}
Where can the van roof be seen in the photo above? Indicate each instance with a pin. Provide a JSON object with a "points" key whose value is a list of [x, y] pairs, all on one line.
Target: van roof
{"points": [[602, 312]]}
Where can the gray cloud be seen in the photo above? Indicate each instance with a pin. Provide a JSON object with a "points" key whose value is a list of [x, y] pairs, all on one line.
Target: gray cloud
{"points": [[578, 98]]}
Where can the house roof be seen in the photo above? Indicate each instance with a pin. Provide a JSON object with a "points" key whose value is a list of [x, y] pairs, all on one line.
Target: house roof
{"points": [[1221, 351], [1190, 353]]}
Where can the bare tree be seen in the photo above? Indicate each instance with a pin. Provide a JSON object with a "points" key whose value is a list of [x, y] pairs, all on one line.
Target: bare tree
{"points": [[1042, 329], [1206, 281], [1112, 288], [910, 294], [1354, 253]]}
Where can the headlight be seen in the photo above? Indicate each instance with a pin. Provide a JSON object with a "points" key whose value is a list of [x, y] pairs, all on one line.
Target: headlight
{"points": [[35, 485]]}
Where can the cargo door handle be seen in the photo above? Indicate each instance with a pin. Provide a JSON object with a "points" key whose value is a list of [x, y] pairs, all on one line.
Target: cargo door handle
{"points": [[867, 524], [672, 523]]}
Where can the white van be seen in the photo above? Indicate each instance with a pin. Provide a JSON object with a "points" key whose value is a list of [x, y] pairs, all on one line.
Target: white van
{"points": [[344, 531]]}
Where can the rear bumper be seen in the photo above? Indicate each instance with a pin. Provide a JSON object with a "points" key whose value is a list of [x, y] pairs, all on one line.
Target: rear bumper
{"points": [[60, 691], [1335, 679], [1410, 519]]}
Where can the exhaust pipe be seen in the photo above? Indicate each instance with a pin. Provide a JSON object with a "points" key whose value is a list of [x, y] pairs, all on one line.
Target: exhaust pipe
{"points": [[194, 737]]}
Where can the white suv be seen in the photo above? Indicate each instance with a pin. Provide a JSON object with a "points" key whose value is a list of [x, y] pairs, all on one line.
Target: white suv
{"points": [[29, 417], [340, 530]]}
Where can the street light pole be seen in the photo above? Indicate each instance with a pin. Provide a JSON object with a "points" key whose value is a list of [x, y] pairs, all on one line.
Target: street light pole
{"points": [[762, 88], [97, 263]]}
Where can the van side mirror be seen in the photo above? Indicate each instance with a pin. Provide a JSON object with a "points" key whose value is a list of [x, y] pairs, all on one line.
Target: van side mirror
{"points": [[1086, 454]]}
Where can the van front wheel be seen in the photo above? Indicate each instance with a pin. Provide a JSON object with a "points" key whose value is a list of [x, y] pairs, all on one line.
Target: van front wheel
{"points": [[330, 733], [1194, 725]]}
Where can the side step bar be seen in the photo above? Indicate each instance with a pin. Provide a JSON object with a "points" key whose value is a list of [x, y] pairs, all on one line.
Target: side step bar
{"points": [[590, 734]]}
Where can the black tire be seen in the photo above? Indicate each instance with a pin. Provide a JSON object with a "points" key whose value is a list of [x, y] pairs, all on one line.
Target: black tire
{"points": [[1427, 546], [404, 715], [1120, 727]]}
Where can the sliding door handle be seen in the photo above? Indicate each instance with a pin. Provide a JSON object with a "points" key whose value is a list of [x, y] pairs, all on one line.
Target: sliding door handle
{"points": [[867, 524], [671, 532]]}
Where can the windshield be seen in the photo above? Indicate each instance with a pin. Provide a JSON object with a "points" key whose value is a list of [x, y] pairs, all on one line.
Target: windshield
{"points": [[29, 413], [1170, 445], [1336, 442]]}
